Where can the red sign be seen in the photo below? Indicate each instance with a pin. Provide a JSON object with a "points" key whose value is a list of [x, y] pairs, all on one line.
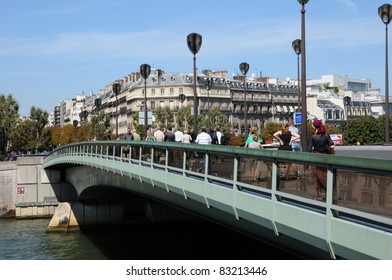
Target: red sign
{"points": [[20, 190], [337, 139]]}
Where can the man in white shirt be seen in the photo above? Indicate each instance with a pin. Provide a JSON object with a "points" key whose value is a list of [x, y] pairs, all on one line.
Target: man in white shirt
{"points": [[178, 135], [202, 138], [218, 135], [159, 135]]}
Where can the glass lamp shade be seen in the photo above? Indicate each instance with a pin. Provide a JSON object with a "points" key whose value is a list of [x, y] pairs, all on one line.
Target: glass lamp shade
{"points": [[244, 67], [303, 2], [208, 84], [385, 13], [297, 46], [145, 70], [194, 41], [116, 88]]}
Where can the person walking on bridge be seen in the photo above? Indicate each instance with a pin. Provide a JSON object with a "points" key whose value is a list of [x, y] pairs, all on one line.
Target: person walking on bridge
{"points": [[319, 143], [202, 138]]}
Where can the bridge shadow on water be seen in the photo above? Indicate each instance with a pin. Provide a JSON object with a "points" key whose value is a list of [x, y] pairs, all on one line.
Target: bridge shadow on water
{"points": [[191, 241]]}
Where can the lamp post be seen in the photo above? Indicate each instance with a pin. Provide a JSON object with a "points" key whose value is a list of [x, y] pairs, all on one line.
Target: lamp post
{"points": [[304, 109], [83, 118], [116, 89], [194, 41], [97, 103], [385, 13], [297, 49], [208, 85], [244, 67], [75, 124], [346, 101], [145, 71]]}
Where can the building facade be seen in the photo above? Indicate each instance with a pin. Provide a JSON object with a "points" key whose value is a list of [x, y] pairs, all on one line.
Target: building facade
{"points": [[258, 101]]}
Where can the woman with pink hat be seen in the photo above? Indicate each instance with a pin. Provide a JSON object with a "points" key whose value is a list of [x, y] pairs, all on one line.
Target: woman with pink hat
{"points": [[320, 143]]}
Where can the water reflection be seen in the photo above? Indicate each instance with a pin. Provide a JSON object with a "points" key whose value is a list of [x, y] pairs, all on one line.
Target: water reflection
{"points": [[29, 240]]}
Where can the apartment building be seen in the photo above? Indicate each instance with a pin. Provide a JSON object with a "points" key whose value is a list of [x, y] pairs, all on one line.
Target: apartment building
{"points": [[263, 99]]}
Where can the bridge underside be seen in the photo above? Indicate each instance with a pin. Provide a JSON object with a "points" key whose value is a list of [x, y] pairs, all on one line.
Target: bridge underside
{"points": [[109, 199]]}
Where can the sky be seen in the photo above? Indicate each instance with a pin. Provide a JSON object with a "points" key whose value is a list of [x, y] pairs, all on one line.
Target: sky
{"points": [[54, 50]]}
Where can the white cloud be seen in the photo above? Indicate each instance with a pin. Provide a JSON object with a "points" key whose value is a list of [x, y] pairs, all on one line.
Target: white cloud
{"points": [[350, 3]]}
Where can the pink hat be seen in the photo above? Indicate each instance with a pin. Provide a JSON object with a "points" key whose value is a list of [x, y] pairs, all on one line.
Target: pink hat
{"points": [[317, 123]]}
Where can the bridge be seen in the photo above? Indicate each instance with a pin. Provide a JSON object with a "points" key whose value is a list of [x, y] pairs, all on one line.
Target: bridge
{"points": [[328, 207]]}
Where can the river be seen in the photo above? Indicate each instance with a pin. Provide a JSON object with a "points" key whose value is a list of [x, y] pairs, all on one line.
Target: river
{"points": [[29, 240]]}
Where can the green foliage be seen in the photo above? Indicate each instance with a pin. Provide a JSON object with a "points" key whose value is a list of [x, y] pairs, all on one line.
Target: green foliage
{"points": [[184, 119], [9, 115], [138, 127], [100, 128], [24, 138], [164, 116], [269, 130], [40, 119], [217, 119]]}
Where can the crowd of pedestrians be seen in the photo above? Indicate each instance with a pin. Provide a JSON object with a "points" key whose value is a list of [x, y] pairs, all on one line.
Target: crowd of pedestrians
{"points": [[289, 138]]}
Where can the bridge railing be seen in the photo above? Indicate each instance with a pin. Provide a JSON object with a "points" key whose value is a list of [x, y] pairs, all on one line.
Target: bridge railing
{"points": [[352, 188]]}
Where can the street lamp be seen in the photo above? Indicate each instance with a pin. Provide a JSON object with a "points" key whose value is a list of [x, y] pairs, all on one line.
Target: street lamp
{"points": [[194, 41], [75, 124], [304, 109], [116, 89], [346, 101], [208, 85], [385, 13], [145, 71], [97, 103], [244, 67], [83, 120], [297, 49]]}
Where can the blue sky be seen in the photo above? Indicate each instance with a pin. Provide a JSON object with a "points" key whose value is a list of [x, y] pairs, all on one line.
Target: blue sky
{"points": [[54, 50]]}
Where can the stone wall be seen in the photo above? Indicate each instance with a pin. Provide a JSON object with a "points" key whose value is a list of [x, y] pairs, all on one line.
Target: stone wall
{"points": [[27, 190], [7, 188]]}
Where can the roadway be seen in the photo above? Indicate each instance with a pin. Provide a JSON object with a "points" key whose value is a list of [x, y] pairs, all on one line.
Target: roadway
{"points": [[372, 151]]}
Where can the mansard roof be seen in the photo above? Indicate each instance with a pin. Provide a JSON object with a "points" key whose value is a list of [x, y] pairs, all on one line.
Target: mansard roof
{"points": [[326, 104]]}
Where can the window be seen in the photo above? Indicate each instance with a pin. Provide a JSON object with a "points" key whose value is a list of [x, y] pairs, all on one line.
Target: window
{"points": [[152, 105], [162, 91], [181, 90], [153, 91], [162, 104], [329, 115], [171, 91], [171, 104], [368, 182]]}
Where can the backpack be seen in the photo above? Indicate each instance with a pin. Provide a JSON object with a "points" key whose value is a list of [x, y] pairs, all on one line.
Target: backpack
{"points": [[223, 140], [214, 138]]}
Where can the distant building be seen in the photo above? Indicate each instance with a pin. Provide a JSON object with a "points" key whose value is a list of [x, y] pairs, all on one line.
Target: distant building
{"points": [[266, 98]]}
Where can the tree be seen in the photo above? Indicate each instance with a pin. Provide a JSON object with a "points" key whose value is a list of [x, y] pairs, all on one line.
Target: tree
{"points": [[40, 120], [164, 116], [366, 129], [138, 127], [24, 138], [9, 115], [269, 130], [100, 127], [183, 117]]}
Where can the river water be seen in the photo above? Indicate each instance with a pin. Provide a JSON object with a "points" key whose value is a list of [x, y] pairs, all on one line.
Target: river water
{"points": [[29, 240]]}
